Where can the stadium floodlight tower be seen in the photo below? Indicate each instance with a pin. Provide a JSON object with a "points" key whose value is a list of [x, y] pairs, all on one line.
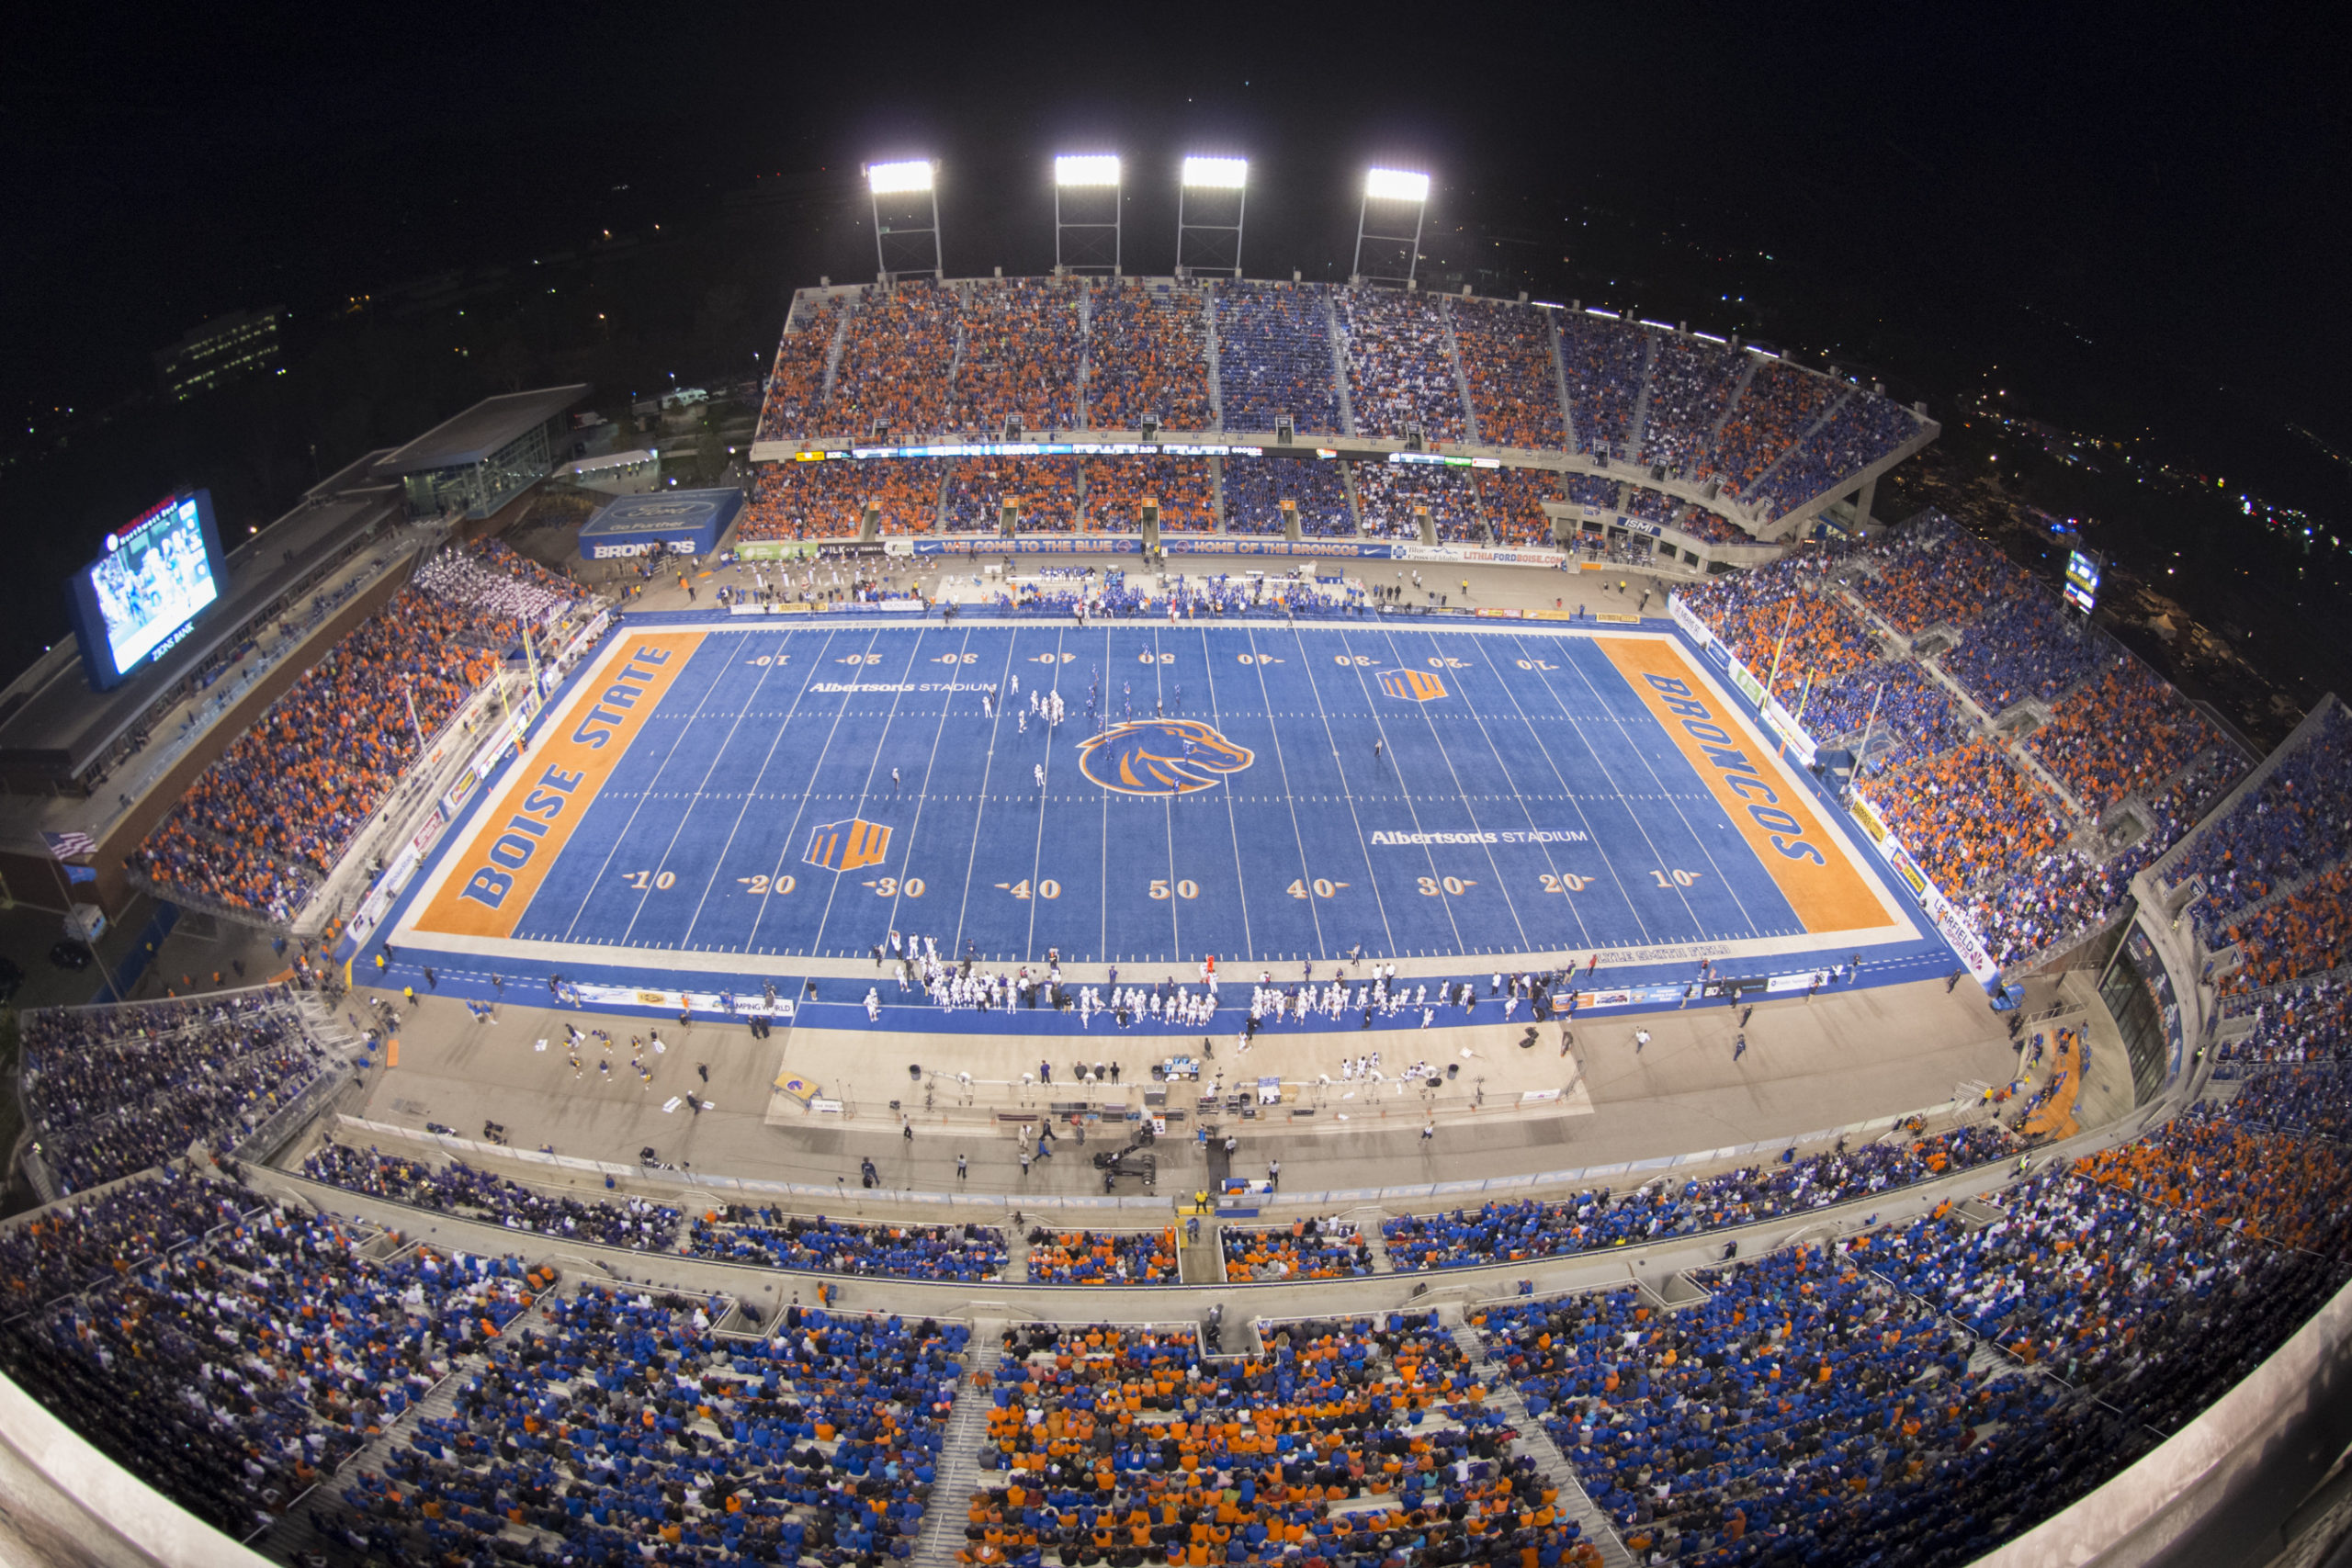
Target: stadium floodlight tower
{"points": [[1221, 187], [914, 217], [1396, 190], [1086, 212]]}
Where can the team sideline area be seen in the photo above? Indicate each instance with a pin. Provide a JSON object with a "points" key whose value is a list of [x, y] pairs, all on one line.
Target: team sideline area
{"points": [[1150, 793]]}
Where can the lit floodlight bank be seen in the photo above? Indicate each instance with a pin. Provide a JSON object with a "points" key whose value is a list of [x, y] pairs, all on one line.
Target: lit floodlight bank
{"points": [[1087, 169], [1089, 184], [1212, 197], [911, 219], [892, 179], [1404, 186], [1217, 174]]}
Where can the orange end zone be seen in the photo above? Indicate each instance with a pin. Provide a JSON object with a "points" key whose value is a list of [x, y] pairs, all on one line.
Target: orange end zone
{"points": [[1775, 815], [486, 886]]}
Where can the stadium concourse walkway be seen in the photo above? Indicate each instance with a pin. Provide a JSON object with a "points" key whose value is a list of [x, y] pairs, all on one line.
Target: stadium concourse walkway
{"points": [[1841, 1059]]}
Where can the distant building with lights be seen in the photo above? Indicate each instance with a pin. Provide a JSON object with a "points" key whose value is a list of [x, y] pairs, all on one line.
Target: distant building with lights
{"points": [[225, 349]]}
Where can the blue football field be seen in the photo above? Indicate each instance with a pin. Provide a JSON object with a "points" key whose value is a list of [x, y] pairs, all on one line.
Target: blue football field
{"points": [[1255, 792]]}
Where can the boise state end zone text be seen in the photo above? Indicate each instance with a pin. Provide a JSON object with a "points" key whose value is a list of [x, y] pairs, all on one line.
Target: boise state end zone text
{"points": [[1252, 792]]}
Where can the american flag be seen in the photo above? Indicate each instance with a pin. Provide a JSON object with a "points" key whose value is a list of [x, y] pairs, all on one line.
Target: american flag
{"points": [[70, 843]]}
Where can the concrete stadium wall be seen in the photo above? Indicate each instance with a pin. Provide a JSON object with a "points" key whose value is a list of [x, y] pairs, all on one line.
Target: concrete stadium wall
{"points": [[62, 1502]]}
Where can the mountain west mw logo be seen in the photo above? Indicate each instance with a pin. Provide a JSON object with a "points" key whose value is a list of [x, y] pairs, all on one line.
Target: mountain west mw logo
{"points": [[848, 845], [1411, 685], [1160, 756]]}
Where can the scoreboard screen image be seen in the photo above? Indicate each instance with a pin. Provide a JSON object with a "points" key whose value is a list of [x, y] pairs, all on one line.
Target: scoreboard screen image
{"points": [[159, 573]]}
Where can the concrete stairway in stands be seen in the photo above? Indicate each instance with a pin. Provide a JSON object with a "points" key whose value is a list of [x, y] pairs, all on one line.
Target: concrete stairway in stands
{"points": [[1574, 1500], [947, 1511]]}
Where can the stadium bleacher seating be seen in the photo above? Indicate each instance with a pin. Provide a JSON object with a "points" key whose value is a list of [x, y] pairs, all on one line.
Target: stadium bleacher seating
{"points": [[1519, 1230], [1514, 502], [260, 1359], [1019, 359], [1345, 1439], [1392, 495], [1146, 356], [2121, 732], [1777, 406], [1934, 573], [116, 1089], [795, 401], [770, 1239], [1512, 378], [898, 354], [1103, 1258], [828, 500], [1690, 387], [1400, 371], [1307, 1248], [1860, 431], [2295, 821], [277, 809], [627, 1427], [1116, 489], [458, 1188], [1273, 356], [1045, 490], [1604, 357], [2024, 647], [1255, 489]]}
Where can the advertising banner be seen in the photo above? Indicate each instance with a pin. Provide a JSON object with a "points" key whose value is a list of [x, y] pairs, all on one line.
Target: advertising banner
{"points": [[1955, 926]]}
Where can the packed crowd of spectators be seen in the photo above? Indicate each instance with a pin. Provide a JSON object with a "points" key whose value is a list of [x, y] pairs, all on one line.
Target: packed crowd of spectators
{"points": [[1306, 1248], [2299, 932], [1020, 359], [897, 356], [768, 1238], [1605, 358], [110, 1091], [1513, 381], [501, 589], [1146, 356], [1860, 431], [459, 1189], [828, 500], [2307, 1021], [1782, 623], [2026, 646], [1691, 384], [794, 404], [1970, 814], [233, 1374], [1255, 489], [1392, 496], [626, 1429], [1514, 502], [1774, 411], [2125, 730], [1934, 572], [1400, 369], [1044, 491], [1346, 1443], [1273, 356], [82, 1242], [1905, 714], [2297, 820], [1116, 488], [1103, 1258], [276, 810], [1521, 1229]]}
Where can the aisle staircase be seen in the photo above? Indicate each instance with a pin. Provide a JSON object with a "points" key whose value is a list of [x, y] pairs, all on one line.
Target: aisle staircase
{"points": [[947, 1510], [1574, 1500]]}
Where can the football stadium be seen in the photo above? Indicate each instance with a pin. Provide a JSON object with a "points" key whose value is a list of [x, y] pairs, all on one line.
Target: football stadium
{"points": [[1217, 920]]}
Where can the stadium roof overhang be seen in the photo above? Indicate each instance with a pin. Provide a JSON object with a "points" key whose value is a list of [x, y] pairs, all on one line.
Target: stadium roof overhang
{"points": [[481, 430]]}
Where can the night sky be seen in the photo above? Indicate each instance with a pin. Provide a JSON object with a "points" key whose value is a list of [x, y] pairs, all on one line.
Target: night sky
{"points": [[2136, 212]]}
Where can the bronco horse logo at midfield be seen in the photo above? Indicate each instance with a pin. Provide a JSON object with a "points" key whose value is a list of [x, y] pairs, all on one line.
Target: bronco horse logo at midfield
{"points": [[1160, 756]]}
